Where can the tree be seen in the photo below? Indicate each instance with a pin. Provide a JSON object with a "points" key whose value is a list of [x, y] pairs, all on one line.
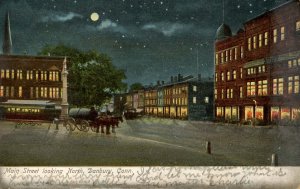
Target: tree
{"points": [[136, 86], [92, 79]]}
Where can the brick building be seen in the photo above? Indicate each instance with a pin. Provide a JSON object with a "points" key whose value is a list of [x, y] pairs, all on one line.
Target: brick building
{"points": [[257, 70], [31, 84]]}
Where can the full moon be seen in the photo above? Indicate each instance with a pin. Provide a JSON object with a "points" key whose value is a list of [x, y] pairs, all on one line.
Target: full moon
{"points": [[94, 16]]}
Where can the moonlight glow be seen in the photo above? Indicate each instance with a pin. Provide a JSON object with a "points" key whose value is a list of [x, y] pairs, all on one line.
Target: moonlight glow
{"points": [[94, 16]]}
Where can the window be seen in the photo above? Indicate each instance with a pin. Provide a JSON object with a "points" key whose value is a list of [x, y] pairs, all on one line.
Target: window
{"points": [[12, 91], [13, 74], [251, 89], [36, 92], [282, 32], [260, 40], [251, 71], [37, 75], [222, 76], [206, 100], [241, 73], [235, 53], [298, 25], [31, 92], [7, 74], [222, 94], [242, 52], [254, 42], [275, 36], [249, 44], [1, 91], [194, 88], [222, 57], [261, 69], [293, 85], [266, 38], [19, 74], [194, 100], [217, 58], [7, 91], [226, 56], [228, 76], [216, 94], [20, 92], [2, 73], [229, 93], [216, 77], [230, 55], [278, 86], [234, 74], [262, 88], [241, 92]]}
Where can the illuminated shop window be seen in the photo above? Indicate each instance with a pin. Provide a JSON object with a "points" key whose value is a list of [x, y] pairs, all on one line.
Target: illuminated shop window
{"points": [[298, 25], [249, 113], [285, 113], [259, 113], [220, 112], [275, 113]]}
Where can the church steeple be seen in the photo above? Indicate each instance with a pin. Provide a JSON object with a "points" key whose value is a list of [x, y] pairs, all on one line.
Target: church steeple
{"points": [[7, 43]]}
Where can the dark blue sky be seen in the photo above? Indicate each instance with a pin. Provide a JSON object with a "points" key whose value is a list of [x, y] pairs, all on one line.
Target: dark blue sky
{"points": [[150, 39]]}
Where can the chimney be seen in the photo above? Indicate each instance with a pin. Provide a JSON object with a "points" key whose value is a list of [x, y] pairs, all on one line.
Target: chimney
{"points": [[158, 83], [175, 79], [162, 82], [172, 79], [179, 77], [199, 77], [7, 42]]}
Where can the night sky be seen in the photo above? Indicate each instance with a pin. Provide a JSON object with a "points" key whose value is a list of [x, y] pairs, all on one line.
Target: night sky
{"points": [[150, 39]]}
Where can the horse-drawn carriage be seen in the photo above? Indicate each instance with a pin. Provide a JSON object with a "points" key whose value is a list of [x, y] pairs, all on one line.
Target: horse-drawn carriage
{"points": [[80, 118]]}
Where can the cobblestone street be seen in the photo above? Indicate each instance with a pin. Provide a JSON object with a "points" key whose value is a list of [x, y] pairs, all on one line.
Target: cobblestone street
{"points": [[148, 141]]}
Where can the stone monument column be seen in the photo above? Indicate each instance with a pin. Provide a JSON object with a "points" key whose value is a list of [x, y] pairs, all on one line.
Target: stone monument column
{"points": [[64, 103]]}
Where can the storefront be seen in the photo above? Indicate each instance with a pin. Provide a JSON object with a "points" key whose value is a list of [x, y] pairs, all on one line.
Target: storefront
{"points": [[249, 112], [259, 113], [220, 112], [275, 113], [285, 113]]}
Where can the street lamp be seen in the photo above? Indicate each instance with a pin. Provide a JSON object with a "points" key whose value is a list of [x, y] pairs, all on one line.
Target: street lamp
{"points": [[255, 102]]}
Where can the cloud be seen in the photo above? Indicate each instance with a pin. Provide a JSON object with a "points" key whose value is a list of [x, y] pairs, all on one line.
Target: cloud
{"points": [[110, 26], [168, 29], [60, 17]]}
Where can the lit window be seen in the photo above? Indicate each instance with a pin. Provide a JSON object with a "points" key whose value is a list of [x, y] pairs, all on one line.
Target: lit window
{"points": [[31, 92], [254, 42], [228, 76], [222, 76], [275, 36], [251, 89], [56, 76], [27, 75], [282, 32], [241, 73], [2, 73], [216, 94], [7, 74], [13, 74], [217, 58], [20, 92], [230, 54], [241, 92], [7, 91], [278, 86], [19, 74], [242, 52], [222, 94], [249, 44], [226, 56], [36, 92], [194, 100], [194, 88], [295, 63], [206, 100], [293, 85], [12, 91], [262, 88], [296, 84], [290, 63], [235, 53], [266, 38], [216, 77], [298, 25], [36, 75], [260, 40], [222, 57], [234, 74], [229, 93]]}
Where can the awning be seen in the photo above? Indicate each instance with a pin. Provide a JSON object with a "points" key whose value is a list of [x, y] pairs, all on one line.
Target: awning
{"points": [[28, 102], [255, 63], [283, 57]]}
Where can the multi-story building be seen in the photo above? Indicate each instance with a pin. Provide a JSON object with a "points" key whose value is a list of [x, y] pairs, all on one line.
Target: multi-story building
{"points": [[151, 100], [30, 84], [257, 70]]}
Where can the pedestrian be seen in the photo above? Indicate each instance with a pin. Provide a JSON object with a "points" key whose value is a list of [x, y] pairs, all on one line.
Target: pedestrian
{"points": [[93, 114]]}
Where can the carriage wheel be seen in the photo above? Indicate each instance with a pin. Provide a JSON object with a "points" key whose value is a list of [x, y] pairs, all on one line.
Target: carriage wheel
{"points": [[69, 124], [94, 128], [85, 125]]}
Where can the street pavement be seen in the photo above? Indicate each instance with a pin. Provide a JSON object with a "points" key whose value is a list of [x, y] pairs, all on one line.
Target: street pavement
{"points": [[149, 141]]}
